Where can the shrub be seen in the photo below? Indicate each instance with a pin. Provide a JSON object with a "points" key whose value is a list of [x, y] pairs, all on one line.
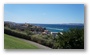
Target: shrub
{"points": [[37, 39], [16, 34], [72, 39]]}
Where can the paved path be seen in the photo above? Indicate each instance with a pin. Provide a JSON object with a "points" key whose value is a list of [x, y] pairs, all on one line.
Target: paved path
{"points": [[36, 44]]}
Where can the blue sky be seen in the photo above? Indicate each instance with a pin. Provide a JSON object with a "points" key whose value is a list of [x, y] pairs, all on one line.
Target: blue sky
{"points": [[44, 13]]}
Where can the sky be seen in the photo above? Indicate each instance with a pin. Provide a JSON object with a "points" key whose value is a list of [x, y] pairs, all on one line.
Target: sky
{"points": [[44, 13]]}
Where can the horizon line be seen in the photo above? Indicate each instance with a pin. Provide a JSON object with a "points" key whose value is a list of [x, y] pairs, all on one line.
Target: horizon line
{"points": [[44, 23]]}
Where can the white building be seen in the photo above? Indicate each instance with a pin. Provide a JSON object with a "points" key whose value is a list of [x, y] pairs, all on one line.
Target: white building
{"points": [[55, 33]]}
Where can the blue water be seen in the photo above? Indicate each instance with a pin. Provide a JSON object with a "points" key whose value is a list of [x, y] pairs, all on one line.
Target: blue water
{"points": [[60, 27]]}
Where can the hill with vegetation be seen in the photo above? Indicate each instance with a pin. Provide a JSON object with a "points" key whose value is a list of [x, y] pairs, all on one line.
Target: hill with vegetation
{"points": [[11, 42], [72, 39]]}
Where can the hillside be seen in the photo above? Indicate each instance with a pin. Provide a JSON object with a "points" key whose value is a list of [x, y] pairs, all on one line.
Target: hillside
{"points": [[23, 26], [71, 39], [11, 42]]}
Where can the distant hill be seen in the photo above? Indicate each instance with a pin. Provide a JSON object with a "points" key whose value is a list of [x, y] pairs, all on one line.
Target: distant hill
{"points": [[23, 26]]}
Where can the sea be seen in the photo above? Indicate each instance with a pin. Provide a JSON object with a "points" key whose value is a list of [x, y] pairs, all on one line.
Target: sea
{"points": [[60, 27]]}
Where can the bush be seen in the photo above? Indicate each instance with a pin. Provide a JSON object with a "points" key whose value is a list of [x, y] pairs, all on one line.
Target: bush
{"points": [[42, 41], [72, 39], [28, 37], [16, 34]]}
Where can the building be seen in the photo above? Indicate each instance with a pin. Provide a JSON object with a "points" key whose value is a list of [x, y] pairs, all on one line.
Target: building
{"points": [[55, 33]]}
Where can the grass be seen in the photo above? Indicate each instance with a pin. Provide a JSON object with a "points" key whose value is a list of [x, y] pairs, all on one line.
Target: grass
{"points": [[11, 42]]}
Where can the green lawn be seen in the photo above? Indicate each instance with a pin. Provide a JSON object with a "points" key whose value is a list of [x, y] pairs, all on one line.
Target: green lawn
{"points": [[11, 42]]}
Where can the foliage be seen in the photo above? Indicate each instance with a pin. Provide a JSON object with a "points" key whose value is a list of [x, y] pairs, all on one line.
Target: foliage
{"points": [[28, 32], [16, 34], [72, 39], [37, 39]]}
